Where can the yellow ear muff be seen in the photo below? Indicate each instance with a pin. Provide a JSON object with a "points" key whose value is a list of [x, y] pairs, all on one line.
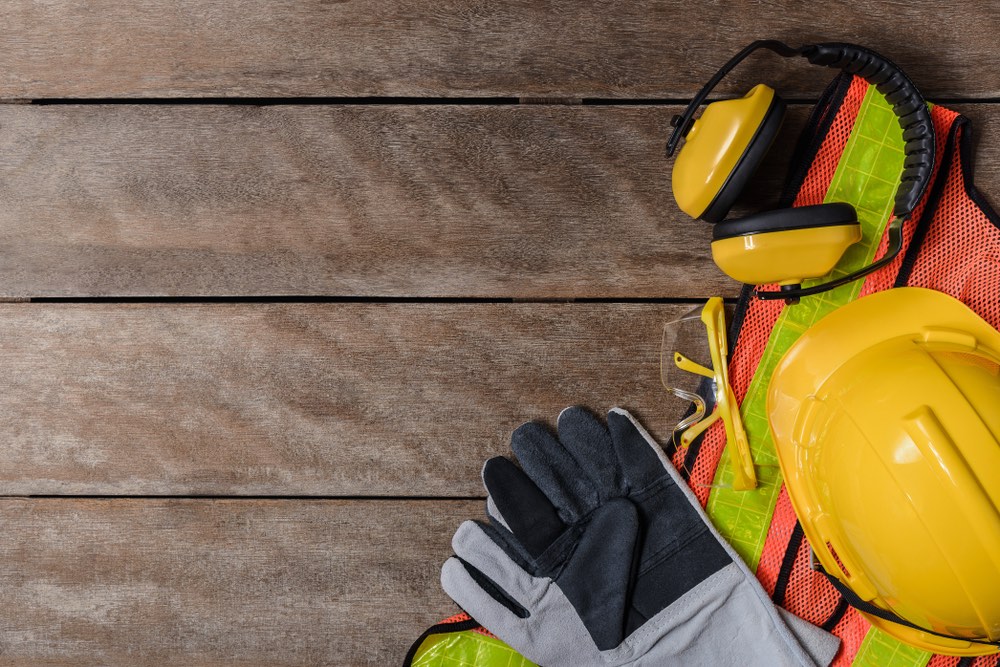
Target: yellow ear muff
{"points": [[785, 246], [723, 149]]}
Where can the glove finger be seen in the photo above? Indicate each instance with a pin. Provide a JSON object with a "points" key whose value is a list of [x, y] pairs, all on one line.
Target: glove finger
{"points": [[639, 455], [523, 509], [598, 579], [521, 633], [473, 546], [554, 471], [473, 591], [589, 443]]}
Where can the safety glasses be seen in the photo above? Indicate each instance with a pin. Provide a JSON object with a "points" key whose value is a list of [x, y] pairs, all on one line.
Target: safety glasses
{"points": [[694, 367]]}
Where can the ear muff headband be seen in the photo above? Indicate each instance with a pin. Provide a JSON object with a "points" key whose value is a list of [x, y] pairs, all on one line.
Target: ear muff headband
{"points": [[907, 103], [682, 124]]}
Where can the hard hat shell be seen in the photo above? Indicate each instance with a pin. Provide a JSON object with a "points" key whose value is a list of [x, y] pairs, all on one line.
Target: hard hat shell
{"points": [[886, 421]]}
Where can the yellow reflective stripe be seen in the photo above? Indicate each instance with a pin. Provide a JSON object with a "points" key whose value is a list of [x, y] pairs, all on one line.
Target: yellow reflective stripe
{"points": [[467, 649], [880, 650]]}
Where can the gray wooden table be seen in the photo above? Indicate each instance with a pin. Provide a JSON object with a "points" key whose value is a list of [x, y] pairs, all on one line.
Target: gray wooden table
{"points": [[279, 275]]}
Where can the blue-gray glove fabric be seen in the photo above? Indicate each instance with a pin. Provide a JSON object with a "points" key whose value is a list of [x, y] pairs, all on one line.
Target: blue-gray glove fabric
{"points": [[598, 554]]}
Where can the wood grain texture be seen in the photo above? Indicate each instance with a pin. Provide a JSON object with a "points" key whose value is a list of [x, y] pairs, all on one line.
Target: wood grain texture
{"points": [[558, 48], [305, 399], [506, 201], [159, 583]]}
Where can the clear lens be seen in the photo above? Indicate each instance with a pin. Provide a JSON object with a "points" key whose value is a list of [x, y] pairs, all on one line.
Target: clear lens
{"points": [[686, 369]]}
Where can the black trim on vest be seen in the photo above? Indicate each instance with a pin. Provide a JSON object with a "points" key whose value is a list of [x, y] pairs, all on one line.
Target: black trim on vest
{"points": [[691, 457], [438, 629], [930, 208], [965, 155], [671, 447], [787, 564], [740, 314], [838, 613]]}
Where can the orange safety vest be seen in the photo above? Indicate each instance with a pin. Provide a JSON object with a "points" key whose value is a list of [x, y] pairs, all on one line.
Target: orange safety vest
{"points": [[951, 244]]}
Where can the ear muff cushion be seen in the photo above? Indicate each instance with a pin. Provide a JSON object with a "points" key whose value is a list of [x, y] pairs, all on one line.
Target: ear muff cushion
{"points": [[782, 219], [748, 162]]}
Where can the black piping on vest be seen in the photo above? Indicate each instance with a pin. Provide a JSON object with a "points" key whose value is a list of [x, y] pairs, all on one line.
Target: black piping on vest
{"points": [[930, 207], [787, 564]]}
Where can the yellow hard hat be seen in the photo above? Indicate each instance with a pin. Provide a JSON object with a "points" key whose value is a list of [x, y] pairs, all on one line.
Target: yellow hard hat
{"points": [[886, 420]]}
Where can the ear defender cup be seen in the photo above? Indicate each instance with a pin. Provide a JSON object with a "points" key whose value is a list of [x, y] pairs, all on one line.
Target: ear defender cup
{"points": [[785, 246], [723, 149]]}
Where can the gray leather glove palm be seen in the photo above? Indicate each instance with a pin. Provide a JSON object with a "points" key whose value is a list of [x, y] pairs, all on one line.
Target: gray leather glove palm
{"points": [[598, 554]]}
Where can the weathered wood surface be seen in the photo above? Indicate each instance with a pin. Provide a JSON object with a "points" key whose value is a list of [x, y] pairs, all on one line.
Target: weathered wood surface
{"points": [[304, 399], [506, 201], [648, 49], [194, 582], [402, 201]]}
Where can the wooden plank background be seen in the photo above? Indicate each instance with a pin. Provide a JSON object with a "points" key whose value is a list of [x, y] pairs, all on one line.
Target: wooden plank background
{"points": [[288, 272], [274, 583], [304, 399], [564, 48]]}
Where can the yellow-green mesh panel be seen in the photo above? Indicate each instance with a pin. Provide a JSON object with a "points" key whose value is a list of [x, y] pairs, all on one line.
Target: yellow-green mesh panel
{"points": [[467, 649], [867, 176], [880, 650]]}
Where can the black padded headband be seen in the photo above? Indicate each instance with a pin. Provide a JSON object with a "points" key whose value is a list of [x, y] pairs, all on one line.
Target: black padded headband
{"points": [[907, 103]]}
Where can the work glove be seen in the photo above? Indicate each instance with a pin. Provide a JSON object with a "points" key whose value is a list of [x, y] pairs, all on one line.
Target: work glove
{"points": [[597, 553]]}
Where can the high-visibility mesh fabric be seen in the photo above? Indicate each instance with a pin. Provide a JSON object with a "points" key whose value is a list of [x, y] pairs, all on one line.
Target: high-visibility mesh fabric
{"points": [[779, 535], [880, 650], [822, 169], [852, 630], [475, 647], [943, 120], [867, 177], [961, 253], [808, 593], [462, 617], [804, 594]]}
